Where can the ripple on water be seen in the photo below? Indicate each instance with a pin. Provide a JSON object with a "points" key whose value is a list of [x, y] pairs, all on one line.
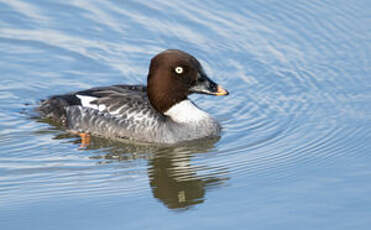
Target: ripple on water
{"points": [[293, 70]]}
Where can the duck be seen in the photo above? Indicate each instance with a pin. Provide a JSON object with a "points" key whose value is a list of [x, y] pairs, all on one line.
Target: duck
{"points": [[160, 112]]}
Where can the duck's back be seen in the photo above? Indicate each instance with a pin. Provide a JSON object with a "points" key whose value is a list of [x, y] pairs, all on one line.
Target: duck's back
{"points": [[119, 111]]}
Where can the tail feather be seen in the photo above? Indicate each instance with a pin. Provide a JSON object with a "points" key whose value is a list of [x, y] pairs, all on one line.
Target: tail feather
{"points": [[54, 107]]}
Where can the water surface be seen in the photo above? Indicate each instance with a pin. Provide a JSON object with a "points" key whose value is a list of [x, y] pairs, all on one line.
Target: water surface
{"points": [[295, 147]]}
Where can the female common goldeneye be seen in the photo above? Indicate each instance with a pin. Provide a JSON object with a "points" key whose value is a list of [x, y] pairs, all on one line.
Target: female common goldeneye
{"points": [[158, 113]]}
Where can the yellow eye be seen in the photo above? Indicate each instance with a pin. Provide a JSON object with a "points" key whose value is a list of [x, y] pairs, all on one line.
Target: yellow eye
{"points": [[178, 70]]}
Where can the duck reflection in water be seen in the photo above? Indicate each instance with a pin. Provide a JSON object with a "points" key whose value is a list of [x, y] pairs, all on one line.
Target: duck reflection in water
{"points": [[174, 180]]}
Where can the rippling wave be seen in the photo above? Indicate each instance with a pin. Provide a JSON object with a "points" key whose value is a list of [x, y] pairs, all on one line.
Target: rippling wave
{"points": [[297, 73]]}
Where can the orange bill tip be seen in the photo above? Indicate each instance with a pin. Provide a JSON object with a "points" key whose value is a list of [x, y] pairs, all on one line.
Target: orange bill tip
{"points": [[221, 91]]}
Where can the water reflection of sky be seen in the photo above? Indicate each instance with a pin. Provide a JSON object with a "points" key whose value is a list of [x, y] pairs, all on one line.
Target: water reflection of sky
{"points": [[296, 126]]}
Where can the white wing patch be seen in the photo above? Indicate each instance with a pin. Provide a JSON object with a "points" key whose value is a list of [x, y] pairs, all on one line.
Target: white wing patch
{"points": [[101, 107], [86, 101]]}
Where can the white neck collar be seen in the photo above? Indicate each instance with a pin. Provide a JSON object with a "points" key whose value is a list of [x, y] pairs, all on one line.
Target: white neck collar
{"points": [[186, 112]]}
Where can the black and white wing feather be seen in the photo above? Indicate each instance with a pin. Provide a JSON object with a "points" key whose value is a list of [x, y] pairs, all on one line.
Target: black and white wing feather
{"points": [[122, 111]]}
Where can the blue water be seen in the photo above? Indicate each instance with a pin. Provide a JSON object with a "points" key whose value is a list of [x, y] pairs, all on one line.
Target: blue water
{"points": [[295, 147]]}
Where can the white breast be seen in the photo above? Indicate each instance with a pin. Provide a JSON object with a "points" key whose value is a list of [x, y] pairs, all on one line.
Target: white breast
{"points": [[186, 112]]}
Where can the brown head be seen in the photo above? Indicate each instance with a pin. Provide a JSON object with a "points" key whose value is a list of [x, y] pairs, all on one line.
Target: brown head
{"points": [[173, 75]]}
